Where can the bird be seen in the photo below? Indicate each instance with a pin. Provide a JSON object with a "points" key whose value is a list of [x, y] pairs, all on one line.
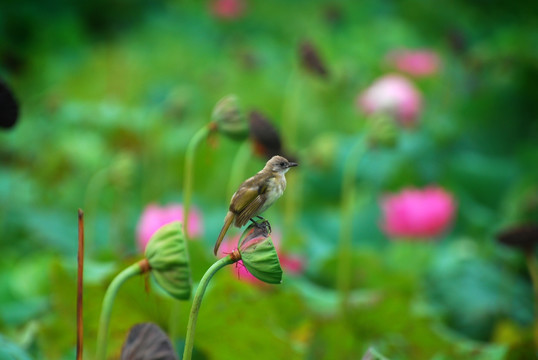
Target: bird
{"points": [[256, 194]]}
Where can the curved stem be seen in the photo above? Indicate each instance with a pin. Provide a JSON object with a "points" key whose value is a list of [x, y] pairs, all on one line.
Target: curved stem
{"points": [[108, 301], [189, 340], [348, 198], [238, 166], [188, 174]]}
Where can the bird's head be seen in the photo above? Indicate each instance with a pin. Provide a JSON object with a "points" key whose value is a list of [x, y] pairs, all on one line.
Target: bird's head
{"points": [[279, 164]]}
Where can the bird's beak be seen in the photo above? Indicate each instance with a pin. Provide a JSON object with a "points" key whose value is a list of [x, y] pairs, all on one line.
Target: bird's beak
{"points": [[292, 164]]}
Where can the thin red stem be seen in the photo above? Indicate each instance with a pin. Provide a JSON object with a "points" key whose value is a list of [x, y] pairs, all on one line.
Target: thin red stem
{"points": [[80, 328]]}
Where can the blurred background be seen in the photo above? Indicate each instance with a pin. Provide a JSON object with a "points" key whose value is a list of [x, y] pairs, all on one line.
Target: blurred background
{"points": [[409, 225]]}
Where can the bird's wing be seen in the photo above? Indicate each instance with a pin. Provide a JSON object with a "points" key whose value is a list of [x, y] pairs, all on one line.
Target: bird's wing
{"points": [[250, 210], [248, 200]]}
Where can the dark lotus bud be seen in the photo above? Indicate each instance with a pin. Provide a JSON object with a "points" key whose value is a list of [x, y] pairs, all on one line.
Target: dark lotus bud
{"points": [[229, 118], [147, 341], [9, 108], [311, 61], [264, 136], [523, 237]]}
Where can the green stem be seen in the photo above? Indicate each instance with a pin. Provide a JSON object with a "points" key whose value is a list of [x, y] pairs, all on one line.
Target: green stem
{"points": [[188, 174], [290, 108], [290, 117], [292, 201], [189, 341], [348, 198], [108, 301], [238, 166]]}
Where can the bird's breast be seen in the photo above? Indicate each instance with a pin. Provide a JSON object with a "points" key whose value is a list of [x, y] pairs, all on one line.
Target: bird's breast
{"points": [[275, 189]]}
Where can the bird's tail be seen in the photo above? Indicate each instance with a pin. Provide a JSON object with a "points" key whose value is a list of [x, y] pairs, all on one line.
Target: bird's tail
{"points": [[227, 222]]}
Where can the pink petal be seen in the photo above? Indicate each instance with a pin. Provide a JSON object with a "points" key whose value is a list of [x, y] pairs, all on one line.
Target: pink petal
{"points": [[417, 213], [227, 9], [154, 216], [392, 94], [415, 62]]}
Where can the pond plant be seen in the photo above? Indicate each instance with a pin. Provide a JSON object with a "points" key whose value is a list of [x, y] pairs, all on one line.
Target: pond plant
{"points": [[228, 119], [166, 259]]}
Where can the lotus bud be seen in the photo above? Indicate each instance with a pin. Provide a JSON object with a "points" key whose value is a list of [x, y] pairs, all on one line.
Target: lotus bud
{"points": [[265, 137], [523, 237], [311, 60]]}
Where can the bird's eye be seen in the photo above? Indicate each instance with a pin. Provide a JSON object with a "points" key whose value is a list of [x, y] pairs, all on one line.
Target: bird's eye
{"points": [[282, 164]]}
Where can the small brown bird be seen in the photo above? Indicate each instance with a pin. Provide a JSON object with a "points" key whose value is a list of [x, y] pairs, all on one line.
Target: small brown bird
{"points": [[256, 194]]}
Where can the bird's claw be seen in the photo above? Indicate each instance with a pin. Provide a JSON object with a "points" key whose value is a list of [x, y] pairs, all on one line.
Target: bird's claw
{"points": [[264, 226]]}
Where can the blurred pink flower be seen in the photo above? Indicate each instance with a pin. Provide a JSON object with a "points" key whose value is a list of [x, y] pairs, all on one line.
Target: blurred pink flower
{"points": [[290, 263], [155, 216], [415, 62], [392, 94], [417, 213], [227, 9]]}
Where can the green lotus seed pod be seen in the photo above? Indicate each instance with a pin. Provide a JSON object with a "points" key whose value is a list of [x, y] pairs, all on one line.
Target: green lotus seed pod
{"points": [[259, 256], [169, 260], [230, 119]]}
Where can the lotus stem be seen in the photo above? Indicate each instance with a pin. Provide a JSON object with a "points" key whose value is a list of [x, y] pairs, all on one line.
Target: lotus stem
{"points": [[108, 301], [347, 203], [188, 174], [189, 340]]}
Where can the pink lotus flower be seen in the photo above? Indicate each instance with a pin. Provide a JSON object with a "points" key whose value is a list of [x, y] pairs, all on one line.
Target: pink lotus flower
{"points": [[392, 94], [227, 9], [415, 62], [291, 264], [417, 213], [155, 216]]}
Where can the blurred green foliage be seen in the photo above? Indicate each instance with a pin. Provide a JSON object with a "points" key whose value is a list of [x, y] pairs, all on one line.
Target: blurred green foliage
{"points": [[112, 91]]}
